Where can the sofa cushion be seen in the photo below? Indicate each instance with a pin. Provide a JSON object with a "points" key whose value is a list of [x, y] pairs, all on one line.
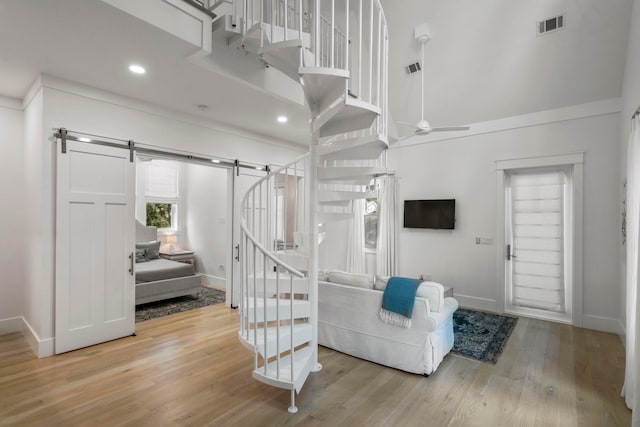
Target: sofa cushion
{"points": [[141, 255], [380, 283], [323, 276], [432, 291], [351, 279], [153, 249]]}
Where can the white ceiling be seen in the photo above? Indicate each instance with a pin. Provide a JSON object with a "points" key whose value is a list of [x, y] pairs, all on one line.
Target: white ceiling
{"points": [[484, 61], [92, 43]]}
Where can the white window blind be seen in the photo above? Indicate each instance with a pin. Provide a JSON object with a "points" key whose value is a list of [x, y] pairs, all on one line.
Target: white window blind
{"points": [[162, 180], [537, 227]]}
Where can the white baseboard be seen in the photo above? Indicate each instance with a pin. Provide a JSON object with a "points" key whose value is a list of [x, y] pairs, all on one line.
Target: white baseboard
{"points": [[11, 325], [214, 281], [40, 347], [476, 303], [599, 323]]}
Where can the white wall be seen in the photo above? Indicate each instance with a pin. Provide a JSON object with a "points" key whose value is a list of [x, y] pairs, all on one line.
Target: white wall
{"points": [[332, 253], [63, 104], [40, 220], [485, 61], [630, 102], [12, 214], [205, 215], [465, 169]]}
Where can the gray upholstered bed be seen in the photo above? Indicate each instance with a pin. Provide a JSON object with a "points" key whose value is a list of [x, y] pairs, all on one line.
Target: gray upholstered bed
{"points": [[159, 279]]}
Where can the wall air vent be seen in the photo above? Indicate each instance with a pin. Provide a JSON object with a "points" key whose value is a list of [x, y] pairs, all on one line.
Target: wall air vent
{"points": [[413, 68], [551, 24]]}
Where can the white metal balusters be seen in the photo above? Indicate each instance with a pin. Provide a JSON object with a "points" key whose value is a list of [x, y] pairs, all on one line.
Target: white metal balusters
{"points": [[326, 28], [338, 49], [266, 316]]}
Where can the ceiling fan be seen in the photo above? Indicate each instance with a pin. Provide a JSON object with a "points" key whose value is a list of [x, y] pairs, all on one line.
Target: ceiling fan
{"points": [[423, 127]]}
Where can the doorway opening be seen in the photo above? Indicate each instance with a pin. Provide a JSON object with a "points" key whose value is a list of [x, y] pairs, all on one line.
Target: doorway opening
{"points": [[96, 211]]}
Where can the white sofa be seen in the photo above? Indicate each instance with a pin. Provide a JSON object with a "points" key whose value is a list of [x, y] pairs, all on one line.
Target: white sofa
{"points": [[349, 322]]}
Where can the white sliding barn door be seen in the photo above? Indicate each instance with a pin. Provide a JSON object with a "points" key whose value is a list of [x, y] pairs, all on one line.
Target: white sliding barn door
{"points": [[240, 184], [95, 240]]}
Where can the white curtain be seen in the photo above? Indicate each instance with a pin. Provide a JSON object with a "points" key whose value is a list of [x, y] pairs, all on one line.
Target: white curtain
{"points": [[631, 389], [355, 242], [388, 222]]}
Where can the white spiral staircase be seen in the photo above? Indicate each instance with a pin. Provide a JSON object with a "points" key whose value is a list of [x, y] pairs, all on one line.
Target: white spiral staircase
{"points": [[337, 50]]}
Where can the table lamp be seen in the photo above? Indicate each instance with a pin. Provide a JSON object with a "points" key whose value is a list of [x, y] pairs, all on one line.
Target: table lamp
{"points": [[171, 239]]}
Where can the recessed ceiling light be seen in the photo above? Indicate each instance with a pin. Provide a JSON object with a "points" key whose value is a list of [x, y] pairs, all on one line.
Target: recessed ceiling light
{"points": [[137, 69], [215, 161], [282, 119], [258, 168], [84, 139]]}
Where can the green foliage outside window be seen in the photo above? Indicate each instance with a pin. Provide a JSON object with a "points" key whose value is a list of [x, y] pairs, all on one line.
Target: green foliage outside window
{"points": [[159, 215]]}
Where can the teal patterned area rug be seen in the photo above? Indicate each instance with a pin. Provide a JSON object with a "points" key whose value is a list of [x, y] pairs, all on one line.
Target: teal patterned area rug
{"points": [[481, 336], [206, 296]]}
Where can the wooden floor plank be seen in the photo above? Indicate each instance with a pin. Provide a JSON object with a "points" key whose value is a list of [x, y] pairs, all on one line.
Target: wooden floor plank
{"points": [[189, 369]]}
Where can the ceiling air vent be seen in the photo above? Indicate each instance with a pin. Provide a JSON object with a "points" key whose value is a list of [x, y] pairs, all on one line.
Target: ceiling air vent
{"points": [[413, 68], [551, 24]]}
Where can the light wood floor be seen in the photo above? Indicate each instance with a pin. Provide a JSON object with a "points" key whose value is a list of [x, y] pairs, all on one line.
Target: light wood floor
{"points": [[190, 369]]}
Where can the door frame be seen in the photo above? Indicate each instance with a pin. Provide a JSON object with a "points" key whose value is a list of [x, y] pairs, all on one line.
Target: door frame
{"points": [[503, 168], [233, 167], [234, 254]]}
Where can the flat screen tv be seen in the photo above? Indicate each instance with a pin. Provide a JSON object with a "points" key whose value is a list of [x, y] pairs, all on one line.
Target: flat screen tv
{"points": [[439, 214]]}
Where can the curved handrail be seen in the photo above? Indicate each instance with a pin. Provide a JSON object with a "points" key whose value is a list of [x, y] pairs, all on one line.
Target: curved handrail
{"points": [[271, 173], [384, 17], [266, 204], [268, 254]]}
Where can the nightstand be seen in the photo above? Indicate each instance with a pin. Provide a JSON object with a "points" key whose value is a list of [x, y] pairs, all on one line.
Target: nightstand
{"points": [[180, 256]]}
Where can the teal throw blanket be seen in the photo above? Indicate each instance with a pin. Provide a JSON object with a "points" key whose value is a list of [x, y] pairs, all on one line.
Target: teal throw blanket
{"points": [[398, 299]]}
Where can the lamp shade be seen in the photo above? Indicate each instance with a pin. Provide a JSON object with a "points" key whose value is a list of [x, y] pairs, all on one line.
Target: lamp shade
{"points": [[170, 238]]}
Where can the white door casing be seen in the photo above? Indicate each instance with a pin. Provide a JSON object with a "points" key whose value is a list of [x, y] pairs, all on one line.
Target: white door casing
{"points": [[575, 163], [95, 241]]}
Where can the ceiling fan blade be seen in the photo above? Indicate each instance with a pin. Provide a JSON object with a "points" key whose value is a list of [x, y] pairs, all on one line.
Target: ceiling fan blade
{"points": [[450, 129], [403, 138]]}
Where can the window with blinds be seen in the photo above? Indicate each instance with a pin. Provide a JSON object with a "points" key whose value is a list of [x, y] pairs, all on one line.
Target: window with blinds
{"points": [[537, 236], [161, 194], [162, 180]]}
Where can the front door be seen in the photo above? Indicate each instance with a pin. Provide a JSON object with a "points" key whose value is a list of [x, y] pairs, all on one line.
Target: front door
{"points": [[95, 241], [537, 258]]}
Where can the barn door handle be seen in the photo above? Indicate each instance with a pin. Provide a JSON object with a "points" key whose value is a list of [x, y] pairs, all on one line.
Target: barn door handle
{"points": [[509, 254], [131, 263], [238, 252]]}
